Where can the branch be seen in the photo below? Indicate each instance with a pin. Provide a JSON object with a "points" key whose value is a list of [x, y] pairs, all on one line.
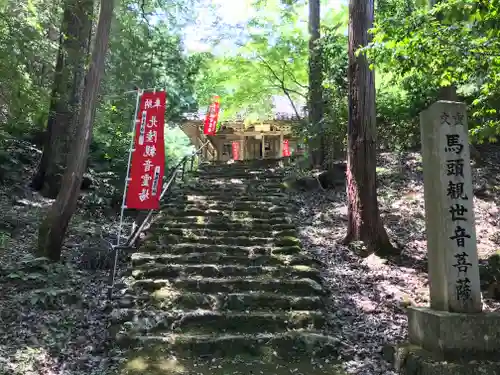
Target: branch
{"points": [[282, 87], [294, 79], [290, 90]]}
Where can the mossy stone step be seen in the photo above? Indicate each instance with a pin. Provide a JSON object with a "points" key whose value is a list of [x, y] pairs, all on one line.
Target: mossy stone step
{"points": [[226, 238], [229, 214], [256, 301], [161, 239], [173, 271], [222, 221], [207, 321], [298, 287], [255, 227], [267, 199], [242, 173], [214, 191], [235, 206], [197, 231], [232, 250], [289, 345], [139, 259], [233, 187]]}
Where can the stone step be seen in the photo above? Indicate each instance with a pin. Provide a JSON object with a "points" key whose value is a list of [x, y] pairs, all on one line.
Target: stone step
{"points": [[304, 259], [174, 271], [230, 250], [206, 321], [234, 187], [254, 226], [224, 206], [288, 345], [245, 177], [182, 196], [255, 301], [230, 214], [218, 222], [297, 287], [202, 232], [228, 238], [231, 191], [242, 168]]}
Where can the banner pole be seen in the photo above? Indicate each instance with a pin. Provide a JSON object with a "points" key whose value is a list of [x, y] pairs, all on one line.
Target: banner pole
{"points": [[122, 211], [127, 179]]}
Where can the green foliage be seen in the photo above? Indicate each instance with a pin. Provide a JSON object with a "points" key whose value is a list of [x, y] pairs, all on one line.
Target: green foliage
{"points": [[28, 47], [454, 43], [272, 62], [148, 56], [145, 51]]}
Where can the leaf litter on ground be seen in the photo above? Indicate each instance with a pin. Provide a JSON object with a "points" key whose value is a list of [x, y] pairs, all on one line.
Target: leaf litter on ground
{"points": [[369, 294]]}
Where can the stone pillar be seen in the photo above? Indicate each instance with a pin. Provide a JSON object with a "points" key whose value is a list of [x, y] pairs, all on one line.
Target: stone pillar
{"points": [[454, 336], [451, 235]]}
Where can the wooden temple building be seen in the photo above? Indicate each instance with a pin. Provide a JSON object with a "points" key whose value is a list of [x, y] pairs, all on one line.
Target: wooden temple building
{"points": [[237, 140]]}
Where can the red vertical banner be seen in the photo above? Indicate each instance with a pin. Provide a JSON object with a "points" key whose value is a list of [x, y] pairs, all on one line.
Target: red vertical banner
{"points": [[236, 150], [148, 156], [212, 117], [286, 148]]}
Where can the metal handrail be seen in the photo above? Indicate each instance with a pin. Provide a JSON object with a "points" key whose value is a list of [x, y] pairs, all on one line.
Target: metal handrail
{"points": [[135, 233], [170, 180]]}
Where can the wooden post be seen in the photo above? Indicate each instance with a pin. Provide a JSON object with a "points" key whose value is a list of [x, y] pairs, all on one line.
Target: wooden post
{"points": [[242, 147], [281, 144], [263, 146]]}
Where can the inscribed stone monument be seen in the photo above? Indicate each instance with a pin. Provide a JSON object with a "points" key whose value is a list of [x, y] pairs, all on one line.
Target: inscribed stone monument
{"points": [[454, 336], [451, 235]]}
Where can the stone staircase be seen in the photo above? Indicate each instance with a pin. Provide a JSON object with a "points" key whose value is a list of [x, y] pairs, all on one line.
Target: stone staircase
{"points": [[222, 273]]}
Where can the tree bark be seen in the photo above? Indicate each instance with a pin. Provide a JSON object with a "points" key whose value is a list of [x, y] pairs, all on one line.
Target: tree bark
{"points": [[364, 222], [315, 102], [66, 95], [53, 228]]}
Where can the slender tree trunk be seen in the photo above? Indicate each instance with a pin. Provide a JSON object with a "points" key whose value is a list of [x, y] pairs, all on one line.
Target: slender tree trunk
{"points": [[66, 95], [53, 228], [315, 102], [364, 222]]}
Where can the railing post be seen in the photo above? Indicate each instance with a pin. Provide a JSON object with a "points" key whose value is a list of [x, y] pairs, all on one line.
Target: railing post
{"points": [[183, 170], [192, 163]]}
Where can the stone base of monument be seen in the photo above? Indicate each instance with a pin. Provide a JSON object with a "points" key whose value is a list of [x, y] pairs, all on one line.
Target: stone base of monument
{"points": [[444, 343]]}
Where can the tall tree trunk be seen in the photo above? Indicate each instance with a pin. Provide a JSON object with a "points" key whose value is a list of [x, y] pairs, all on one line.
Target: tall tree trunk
{"points": [[66, 95], [54, 226], [315, 102], [364, 222]]}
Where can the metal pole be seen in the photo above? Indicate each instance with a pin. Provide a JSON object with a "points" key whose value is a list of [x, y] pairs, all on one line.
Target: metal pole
{"points": [[143, 224], [134, 235], [127, 179]]}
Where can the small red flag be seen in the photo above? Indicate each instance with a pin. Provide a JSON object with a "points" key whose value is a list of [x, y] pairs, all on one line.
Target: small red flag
{"points": [[286, 148], [236, 150], [212, 117]]}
